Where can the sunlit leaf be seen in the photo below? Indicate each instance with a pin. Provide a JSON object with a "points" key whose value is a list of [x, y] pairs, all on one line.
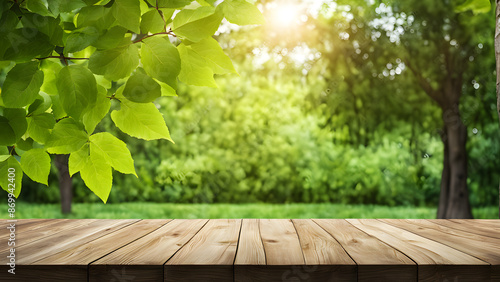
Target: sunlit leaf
{"points": [[241, 12], [115, 63], [22, 85], [36, 165], [141, 120], [161, 59], [108, 149], [67, 137]]}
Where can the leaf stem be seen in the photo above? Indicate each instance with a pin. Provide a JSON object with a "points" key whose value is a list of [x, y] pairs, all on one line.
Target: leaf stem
{"points": [[169, 32], [58, 120], [62, 58], [11, 151]]}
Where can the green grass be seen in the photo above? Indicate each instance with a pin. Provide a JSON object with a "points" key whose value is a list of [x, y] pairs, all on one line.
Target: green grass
{"points": [[157, 210]]}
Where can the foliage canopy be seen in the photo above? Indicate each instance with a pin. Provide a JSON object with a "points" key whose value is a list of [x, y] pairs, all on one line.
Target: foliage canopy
{"points": [[68, 61]]}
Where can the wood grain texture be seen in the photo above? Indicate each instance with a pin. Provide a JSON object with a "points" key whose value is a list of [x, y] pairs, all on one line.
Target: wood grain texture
{"points": [[376, 260], [250, 247], [47, 246], [43, 231], [283, 253], [321, 250], [481, 247], [26, 222], [145, 257], [255, 250], [209, 254], [471, 226], [435, 260], [30, 232], [86, 253], [27, 255], [281, 243]]}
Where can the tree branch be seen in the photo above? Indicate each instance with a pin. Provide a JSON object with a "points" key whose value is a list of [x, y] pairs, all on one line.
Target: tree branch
{"points": [[426, 86]]}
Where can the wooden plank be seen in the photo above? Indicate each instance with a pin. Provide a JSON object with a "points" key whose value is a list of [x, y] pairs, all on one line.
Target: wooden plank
{"points": [[31, 233], [86, 253], [145, 257], [250, 247], [208, 256], [482, 247], [436, 262], [24, 222], [28, 254], [250, 253], [326, 258], [283, 253], [281, 243], [376, 260], [471, 226], [34, 224]]}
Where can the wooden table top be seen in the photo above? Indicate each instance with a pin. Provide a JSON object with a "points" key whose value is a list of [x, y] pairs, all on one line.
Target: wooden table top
{"points": [[252, 250]]}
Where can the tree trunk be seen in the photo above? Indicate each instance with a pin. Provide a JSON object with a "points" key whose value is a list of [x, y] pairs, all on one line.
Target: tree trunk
{"points": [[497, 55], [65, 183], [445, 178], [454, 198]]}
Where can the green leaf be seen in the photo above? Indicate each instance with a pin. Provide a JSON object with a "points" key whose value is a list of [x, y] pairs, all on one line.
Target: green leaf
{"points": [[241, 12], [95, 172], [141, 88], [24, 44], [211, 51], [106, 148], [78, 159], [81, 39], [161, 59], [152, 22], [173, 3], [37, 6], [206, 2], [64, 6], [47, 25], [477, 6], [128, 14], [140, 120], [98, 177], [77, 89], [22, 85], [4, 154], [195, 70], [111, 39], [8, 21], [97, 111], [40, 125], [67, 137], [23, 145], [57, 108], [41, 104], [4, 6], [170, 3], [115, 63], [166, 90], [50, 70], [197, 24], [36, 165], [13, 125], [11, 163], [95, 16]]}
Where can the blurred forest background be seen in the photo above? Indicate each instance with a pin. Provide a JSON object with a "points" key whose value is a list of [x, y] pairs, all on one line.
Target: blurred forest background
{"points": [[330, 106]]}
